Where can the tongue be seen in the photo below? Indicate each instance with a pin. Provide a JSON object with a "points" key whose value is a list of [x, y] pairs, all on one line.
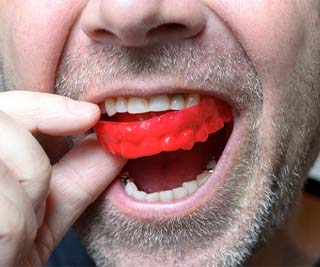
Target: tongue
{"points": [[169, 170]]}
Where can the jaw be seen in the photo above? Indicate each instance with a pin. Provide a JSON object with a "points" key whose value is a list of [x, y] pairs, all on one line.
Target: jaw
{"points": [[245, 197], [216, 218]]}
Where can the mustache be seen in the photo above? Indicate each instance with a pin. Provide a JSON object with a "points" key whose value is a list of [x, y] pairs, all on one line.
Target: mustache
{"points": [[224, 69]]}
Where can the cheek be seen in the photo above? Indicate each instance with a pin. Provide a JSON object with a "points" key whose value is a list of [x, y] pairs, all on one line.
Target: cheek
{"points": [[273, 34], [35, 35], [271, 31]]}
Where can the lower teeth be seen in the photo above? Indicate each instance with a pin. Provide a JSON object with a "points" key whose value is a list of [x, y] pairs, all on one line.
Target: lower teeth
{"points": [[186, 189]]}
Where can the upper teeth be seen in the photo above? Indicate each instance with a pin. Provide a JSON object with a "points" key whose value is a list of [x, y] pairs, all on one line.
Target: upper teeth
{"points": [[135, 105]]}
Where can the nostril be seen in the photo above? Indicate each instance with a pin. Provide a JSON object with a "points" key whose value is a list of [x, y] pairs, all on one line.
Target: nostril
{"points": [[159, 32], [101, 34], [168, 28], [138, 23]]}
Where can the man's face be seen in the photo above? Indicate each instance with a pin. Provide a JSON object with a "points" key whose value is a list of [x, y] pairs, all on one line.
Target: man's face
{"points": [[260, 57]]}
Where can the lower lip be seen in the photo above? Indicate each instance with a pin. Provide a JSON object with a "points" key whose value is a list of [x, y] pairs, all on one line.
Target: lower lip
{"points": [[182, 207]]}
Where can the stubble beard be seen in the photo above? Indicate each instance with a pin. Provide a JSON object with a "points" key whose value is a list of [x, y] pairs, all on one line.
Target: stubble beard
{"points": [[259, 190]]}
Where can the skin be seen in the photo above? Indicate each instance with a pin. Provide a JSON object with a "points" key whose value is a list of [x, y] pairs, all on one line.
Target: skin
{"points": [[267, 53]]}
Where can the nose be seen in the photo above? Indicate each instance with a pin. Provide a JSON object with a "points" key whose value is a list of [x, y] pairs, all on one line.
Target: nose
{"points": [[136, 23]]}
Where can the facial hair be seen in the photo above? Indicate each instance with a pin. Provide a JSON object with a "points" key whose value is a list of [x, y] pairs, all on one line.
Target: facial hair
{"points": [[256, 195]]}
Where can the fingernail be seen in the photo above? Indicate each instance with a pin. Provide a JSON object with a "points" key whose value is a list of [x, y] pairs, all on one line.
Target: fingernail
{"points": [[81, 108]]}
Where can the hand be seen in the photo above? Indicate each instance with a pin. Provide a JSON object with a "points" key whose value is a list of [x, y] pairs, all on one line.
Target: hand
{"points": [[39, 202]]}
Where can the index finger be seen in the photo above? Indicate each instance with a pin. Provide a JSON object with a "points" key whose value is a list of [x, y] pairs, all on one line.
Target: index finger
{"points": [[48, 113]]}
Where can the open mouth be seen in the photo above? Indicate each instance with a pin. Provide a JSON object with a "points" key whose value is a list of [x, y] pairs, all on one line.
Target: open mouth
{"points": [[173, 143]]}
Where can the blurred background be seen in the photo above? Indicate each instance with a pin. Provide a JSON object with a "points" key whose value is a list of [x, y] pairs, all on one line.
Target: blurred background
{"points": [[315, 170]]}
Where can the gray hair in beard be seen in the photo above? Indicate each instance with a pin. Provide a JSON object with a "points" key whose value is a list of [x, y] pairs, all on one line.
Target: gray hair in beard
{"points": [[197, 66], [193, 65], [226, 230]]}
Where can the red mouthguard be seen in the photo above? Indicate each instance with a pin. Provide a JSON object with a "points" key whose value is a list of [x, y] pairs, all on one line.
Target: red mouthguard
{"points": [[167, 132]]}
